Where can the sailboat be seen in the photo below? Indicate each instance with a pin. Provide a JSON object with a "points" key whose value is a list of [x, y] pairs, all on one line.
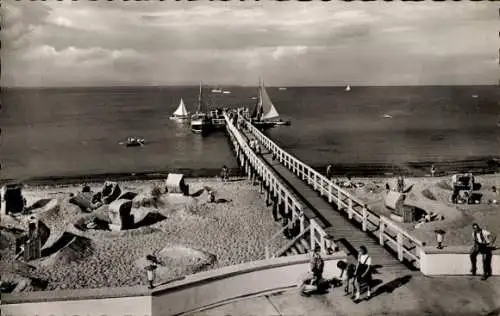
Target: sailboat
{"points": [[201, 123], [265, 115], [348, 88], [181, 114]]}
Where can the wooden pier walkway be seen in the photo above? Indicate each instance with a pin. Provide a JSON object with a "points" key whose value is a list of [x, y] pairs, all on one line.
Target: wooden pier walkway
{"points": [[347, 233]]}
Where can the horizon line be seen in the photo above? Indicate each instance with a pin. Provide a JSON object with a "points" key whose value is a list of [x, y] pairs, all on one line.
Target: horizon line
{"points": [[245, 86]]}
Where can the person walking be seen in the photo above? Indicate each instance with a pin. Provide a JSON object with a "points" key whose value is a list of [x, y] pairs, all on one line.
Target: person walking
{"points": [[363, 273], [347, 276], [329, 170], [483, 241]]}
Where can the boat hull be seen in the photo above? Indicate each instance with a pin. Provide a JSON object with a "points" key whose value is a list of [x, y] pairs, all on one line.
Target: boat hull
{"points": [[180, 118], [201, 127]]}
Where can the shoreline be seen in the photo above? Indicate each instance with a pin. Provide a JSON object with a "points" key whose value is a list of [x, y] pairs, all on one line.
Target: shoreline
{"points": [[479, 166]]}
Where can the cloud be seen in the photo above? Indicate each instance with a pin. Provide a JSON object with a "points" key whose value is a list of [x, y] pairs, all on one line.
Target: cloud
{"points": [[175, 42]]}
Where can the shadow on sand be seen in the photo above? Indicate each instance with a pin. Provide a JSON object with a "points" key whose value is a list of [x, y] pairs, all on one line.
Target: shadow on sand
{"points": [[391, 286]]}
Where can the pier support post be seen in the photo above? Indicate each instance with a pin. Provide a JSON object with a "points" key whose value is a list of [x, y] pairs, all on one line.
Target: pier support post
{"points": [[267, 197], [281, 209], [261, 190], [275, 208]]}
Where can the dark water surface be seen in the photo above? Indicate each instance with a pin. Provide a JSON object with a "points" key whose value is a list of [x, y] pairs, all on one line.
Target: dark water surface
{"points": [[71, 132]]}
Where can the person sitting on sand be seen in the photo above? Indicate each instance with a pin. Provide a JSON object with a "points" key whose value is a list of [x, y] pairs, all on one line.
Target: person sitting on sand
{"points": [[308, 286], [363, 273], [347, 275], [483, 241]]}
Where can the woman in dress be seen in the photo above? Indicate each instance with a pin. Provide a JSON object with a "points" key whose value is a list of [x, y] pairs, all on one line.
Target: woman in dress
{"points": [[363, 273]]}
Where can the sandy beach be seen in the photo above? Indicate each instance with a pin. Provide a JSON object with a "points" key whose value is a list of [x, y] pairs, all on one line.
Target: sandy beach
{"points": [[435, 192], [187, 234]]}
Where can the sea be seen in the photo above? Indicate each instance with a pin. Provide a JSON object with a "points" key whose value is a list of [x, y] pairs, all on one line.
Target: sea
{"points": [[74, 132]]}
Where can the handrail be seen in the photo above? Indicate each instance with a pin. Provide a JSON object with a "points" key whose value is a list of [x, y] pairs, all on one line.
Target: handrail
{"points": [[275, 185], [334, 193]]}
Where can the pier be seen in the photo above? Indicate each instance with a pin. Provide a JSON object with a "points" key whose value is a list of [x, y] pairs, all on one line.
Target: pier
{"points": [[322, 207]]}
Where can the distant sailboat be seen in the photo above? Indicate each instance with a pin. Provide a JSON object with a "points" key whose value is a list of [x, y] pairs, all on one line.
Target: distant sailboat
{"points": [[282, 89], [348, 88], [216, 90], [226, 92], [181, 114]]}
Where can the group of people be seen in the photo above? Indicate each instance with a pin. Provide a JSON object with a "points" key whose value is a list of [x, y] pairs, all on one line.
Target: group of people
{"points": [[355, 277]]}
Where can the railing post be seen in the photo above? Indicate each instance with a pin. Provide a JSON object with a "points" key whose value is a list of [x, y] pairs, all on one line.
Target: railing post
{"points": [[350, 211], [314, 180], [381, 232], [321, 186], [365, 218], [330, 193], [339, 198], [322, 243], [301, 217], [312, 233], [400, 246]]}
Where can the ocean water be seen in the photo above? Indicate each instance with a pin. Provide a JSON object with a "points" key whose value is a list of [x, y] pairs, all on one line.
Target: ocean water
{"points": [[76, 131]]}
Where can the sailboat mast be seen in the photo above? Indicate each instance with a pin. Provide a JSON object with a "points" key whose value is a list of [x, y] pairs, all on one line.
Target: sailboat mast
{"points": [[199, 99]]}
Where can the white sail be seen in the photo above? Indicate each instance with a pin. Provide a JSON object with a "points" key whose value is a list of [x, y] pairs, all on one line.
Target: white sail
{"points": [[269, 112], [348, 88], [181, 110]]}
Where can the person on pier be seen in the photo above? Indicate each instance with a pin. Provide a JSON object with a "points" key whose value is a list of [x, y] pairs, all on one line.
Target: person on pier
{"points": [[483, 241], [363, 273], [317, 265], [329, 171]]}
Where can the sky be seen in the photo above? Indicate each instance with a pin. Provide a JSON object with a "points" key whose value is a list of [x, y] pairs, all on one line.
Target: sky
{"points": [[290, 43]]}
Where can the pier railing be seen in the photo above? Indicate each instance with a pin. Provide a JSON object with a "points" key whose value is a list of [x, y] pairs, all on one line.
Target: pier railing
{"points": [[250, 161], [389, 234]]}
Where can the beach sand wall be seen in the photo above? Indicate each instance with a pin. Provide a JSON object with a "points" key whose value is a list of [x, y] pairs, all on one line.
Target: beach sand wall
{"points": [[454, 260], [194, 292]]}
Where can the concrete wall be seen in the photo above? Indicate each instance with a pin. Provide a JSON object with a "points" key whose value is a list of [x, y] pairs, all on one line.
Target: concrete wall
{"points": [[211, 287], [191, 293], [123, 306], [453, 260]]}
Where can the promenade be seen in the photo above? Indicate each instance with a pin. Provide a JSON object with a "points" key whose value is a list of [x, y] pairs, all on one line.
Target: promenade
{"points": [[413, 296]]}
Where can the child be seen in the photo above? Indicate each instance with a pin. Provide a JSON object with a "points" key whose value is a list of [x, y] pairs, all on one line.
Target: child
{"points": [[347, 275]]}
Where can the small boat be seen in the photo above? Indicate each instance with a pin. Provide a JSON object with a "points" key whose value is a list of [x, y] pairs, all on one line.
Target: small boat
{"points": [[133, 142], [475, 96], [216, 90], [282, 89], [283, 123], [387, 116], [226, 92], [253, 98], [348, 88], [181, 114]]}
